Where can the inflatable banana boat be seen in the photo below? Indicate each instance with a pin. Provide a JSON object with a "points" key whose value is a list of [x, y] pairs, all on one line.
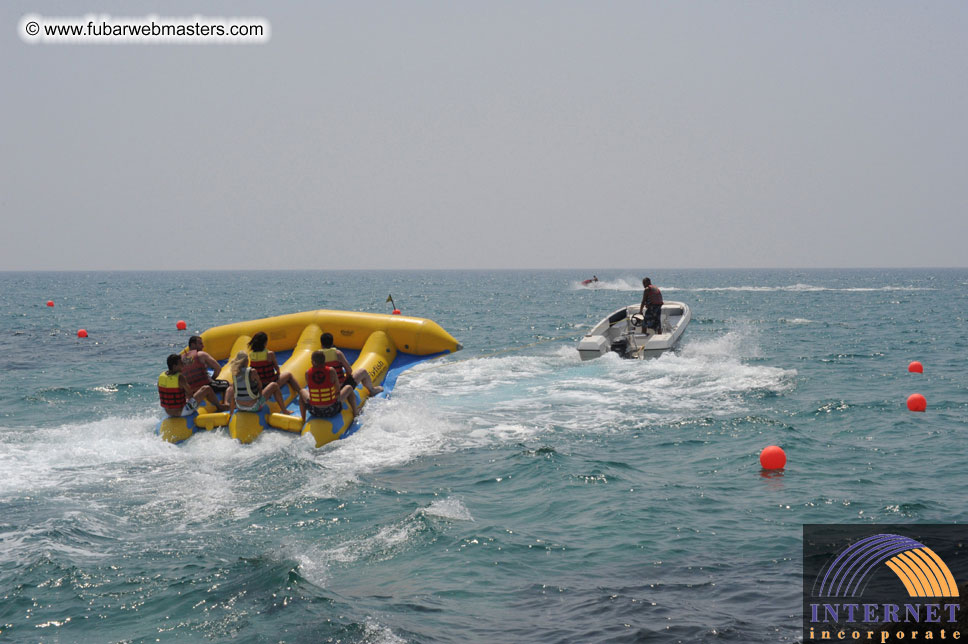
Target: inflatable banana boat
{"points": [[383, 345]]}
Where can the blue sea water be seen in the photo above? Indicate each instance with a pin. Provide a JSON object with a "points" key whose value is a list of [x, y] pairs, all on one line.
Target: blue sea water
{"points": [[507, 493]]}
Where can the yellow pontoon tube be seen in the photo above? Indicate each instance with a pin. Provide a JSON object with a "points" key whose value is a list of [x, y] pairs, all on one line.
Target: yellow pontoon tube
{"points": [[383, 345]]}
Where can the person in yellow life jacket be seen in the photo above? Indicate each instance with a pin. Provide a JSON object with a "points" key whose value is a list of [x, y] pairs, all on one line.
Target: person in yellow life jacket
{"points": [[247, 393], [195, 366], [265, 363], [336, 360], [652, 303], [323, 394], [177, 397]]}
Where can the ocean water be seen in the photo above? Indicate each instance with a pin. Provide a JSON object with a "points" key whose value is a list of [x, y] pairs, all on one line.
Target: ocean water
{"points": [[507, 493]]}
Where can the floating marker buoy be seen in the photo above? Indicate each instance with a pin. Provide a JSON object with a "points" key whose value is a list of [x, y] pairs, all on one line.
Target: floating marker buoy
{"points": [[917, 402], [180, 325], [81, 333], [396, 311], [772, 458], [50, 302], [916, 367]]}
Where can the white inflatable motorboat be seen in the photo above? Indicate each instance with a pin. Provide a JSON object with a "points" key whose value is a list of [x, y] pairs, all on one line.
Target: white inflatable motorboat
{"points": [[622, 333]]}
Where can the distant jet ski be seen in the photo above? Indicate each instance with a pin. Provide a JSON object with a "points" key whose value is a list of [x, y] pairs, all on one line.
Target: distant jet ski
{"points": [[622, 333], [589, 281]]}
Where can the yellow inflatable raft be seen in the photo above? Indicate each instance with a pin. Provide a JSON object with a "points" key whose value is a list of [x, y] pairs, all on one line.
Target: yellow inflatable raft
{"points": [[383, 345]]}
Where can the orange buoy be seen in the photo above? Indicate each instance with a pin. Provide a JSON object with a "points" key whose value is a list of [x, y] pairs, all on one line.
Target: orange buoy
{"points": [[50, 302], [396, 311], [772, 458], [180, 325], [916, 367], [917, 402], [81, 333]]}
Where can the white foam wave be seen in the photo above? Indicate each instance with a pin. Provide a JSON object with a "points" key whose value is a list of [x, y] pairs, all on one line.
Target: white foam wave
{"points": [[381, 545], [210, 475], [184, 484], [394, 433], [375, 633], [795, 321], [514, 398], [33, 459], [449, 508], [316, 561], [26, 542]]}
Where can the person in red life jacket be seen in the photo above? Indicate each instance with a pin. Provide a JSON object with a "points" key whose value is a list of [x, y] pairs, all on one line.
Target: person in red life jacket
{"points": [[177, 397], [195, 366], [336, 360], [323, 394], [265, 363], [247, 393], [652, 303]]}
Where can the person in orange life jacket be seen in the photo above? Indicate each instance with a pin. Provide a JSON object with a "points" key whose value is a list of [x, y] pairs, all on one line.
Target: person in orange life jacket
{"points": [[177, 397], [652, 303], [336, 360], [246, 393], [323, 394], [195, 366], [265, 363]]}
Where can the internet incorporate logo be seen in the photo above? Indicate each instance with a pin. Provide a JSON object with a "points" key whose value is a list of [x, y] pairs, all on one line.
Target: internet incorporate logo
{"points": [[922, 572], [883, 587]]}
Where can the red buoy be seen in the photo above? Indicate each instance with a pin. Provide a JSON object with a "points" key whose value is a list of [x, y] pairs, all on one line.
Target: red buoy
{"points": [[917, 402], [81, 333], [916, 367], [180, 325], [50, 302], [396, 311], [772, 458]]}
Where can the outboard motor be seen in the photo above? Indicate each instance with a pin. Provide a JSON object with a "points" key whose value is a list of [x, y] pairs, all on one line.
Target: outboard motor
{"points": [[620, 346]]}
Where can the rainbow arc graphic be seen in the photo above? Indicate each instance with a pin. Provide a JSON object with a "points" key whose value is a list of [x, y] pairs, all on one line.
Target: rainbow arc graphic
{"points": [[922, 572]]}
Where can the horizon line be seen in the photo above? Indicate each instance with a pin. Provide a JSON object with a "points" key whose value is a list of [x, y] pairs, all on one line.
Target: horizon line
{"points": [[441, 270]]}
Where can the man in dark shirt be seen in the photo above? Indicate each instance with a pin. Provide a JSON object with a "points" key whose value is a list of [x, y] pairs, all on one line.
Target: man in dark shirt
{"points": [[652, 303]]}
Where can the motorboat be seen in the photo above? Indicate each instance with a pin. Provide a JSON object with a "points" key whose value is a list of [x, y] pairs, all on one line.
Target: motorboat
{"points": [[622, 333]]}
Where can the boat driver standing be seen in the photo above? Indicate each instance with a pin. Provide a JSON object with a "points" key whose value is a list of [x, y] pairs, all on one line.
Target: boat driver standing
{"points": [[652, 303]]}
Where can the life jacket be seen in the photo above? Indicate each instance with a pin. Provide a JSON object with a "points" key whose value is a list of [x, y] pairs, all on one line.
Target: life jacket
{"points": [[323, 386], [195, 371], [243, 387], [332, 360], [268, 371], [170, 392], [653, 296]]}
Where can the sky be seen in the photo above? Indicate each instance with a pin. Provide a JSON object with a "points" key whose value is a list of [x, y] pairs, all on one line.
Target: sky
{"points": [[413, 134]]}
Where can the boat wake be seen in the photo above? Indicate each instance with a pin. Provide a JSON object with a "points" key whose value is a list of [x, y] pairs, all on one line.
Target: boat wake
{"points": [[796, 288], [514, 398], [635, 284]]}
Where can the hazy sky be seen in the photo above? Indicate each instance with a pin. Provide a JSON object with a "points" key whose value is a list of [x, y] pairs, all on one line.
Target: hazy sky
{"points": [[488, 134]]}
